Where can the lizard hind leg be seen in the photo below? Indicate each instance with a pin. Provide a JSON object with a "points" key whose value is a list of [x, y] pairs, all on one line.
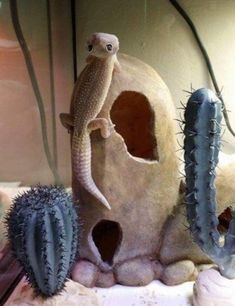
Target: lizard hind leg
{"points": [[106, 128]]}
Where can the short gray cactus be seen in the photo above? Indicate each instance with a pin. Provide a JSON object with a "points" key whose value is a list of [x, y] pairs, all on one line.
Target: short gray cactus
{"points": [[202, 144], [43, 230]]}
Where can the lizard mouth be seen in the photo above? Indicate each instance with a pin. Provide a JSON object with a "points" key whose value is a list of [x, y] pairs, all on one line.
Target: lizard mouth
{"points": [[134, 120]]}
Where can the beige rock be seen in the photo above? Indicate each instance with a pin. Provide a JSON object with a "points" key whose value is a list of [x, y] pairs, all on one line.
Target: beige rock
{"points": [[179, 272], [204, 267], [157, 268], [74, 294], [136, 272], [86, 273], [212, 289], [136, 168], [177, 242], [225, 184], [105, 280]]}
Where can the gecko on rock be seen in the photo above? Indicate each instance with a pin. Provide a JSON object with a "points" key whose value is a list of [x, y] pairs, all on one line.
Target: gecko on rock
{"points": [[88, 97]]}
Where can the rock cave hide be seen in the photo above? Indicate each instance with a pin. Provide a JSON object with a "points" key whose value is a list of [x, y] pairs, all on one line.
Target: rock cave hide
{"points": [[136, 169]]}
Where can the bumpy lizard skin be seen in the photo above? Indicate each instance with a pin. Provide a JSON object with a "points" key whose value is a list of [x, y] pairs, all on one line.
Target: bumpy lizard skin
{"points": [[89, 95]]}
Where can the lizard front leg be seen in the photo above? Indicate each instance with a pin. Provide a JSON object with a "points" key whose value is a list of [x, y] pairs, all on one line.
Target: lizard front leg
{"points": [[67, 121], [106, 128]]}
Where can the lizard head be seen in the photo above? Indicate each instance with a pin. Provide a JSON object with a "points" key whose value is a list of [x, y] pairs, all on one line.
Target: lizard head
{"points": [[102, 45]]}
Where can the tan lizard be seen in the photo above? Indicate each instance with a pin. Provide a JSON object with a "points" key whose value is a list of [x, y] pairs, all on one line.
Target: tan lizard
{"points": [[88, 97]]}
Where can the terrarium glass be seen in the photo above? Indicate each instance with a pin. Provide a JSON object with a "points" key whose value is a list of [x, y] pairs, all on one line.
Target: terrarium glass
{"points": [[43, 50]]}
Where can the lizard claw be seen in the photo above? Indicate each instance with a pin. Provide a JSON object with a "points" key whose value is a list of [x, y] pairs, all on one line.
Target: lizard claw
{"points": [[109, 131]]}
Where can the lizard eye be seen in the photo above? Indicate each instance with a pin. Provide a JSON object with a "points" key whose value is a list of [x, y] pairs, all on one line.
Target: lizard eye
{"points": [[89, 48], [109, 47]]}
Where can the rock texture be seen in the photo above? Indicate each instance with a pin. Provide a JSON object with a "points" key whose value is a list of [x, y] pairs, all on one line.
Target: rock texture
{"points": [[105, 280], [86, 273], [157, 268], [179, 272], [212, 289], [177, 242], [136, 169], [136, 272]]}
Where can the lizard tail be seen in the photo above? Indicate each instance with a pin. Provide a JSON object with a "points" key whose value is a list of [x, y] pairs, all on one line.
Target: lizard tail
{"points": [[81, 163]]}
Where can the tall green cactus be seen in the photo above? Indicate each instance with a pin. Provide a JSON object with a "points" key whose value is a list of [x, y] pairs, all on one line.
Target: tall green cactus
{"points": [[43, 230], [202, 144]]}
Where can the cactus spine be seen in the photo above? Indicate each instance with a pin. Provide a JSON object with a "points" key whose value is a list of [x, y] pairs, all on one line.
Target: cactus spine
{"points": [[201, 144], [43, 230]]}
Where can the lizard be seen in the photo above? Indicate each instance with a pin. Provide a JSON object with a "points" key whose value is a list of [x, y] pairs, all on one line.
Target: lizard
{"points": [[89, 94]]}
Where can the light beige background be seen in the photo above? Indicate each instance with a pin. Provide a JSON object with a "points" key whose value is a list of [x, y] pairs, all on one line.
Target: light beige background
{"points": [[151, 30], [21, 152]]}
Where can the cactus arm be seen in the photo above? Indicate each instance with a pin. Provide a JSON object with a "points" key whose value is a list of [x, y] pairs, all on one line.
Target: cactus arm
{"points": [[227, 266], [206, 155], [202, 127], [202, 144]]}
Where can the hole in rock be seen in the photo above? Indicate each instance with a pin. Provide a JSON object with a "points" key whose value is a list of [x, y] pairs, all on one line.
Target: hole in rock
{"points": [[134, 121], [224, 219], [107, 236]]}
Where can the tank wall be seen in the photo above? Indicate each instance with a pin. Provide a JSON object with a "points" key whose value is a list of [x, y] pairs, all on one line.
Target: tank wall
{"points": [[151, 30], [154, 32], [22, 155]]}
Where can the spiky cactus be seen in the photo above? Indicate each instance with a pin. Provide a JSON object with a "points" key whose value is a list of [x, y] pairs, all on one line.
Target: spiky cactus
{"points": [[202, 144], [43, 231]]}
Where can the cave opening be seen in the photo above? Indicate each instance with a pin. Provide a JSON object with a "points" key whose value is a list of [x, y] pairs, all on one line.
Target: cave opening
{"points": [[134, 121], [107, 236]]}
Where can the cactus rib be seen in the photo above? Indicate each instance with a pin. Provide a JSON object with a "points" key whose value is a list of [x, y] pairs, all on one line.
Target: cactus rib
{"points": [[202, 144], [43, 230]]}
